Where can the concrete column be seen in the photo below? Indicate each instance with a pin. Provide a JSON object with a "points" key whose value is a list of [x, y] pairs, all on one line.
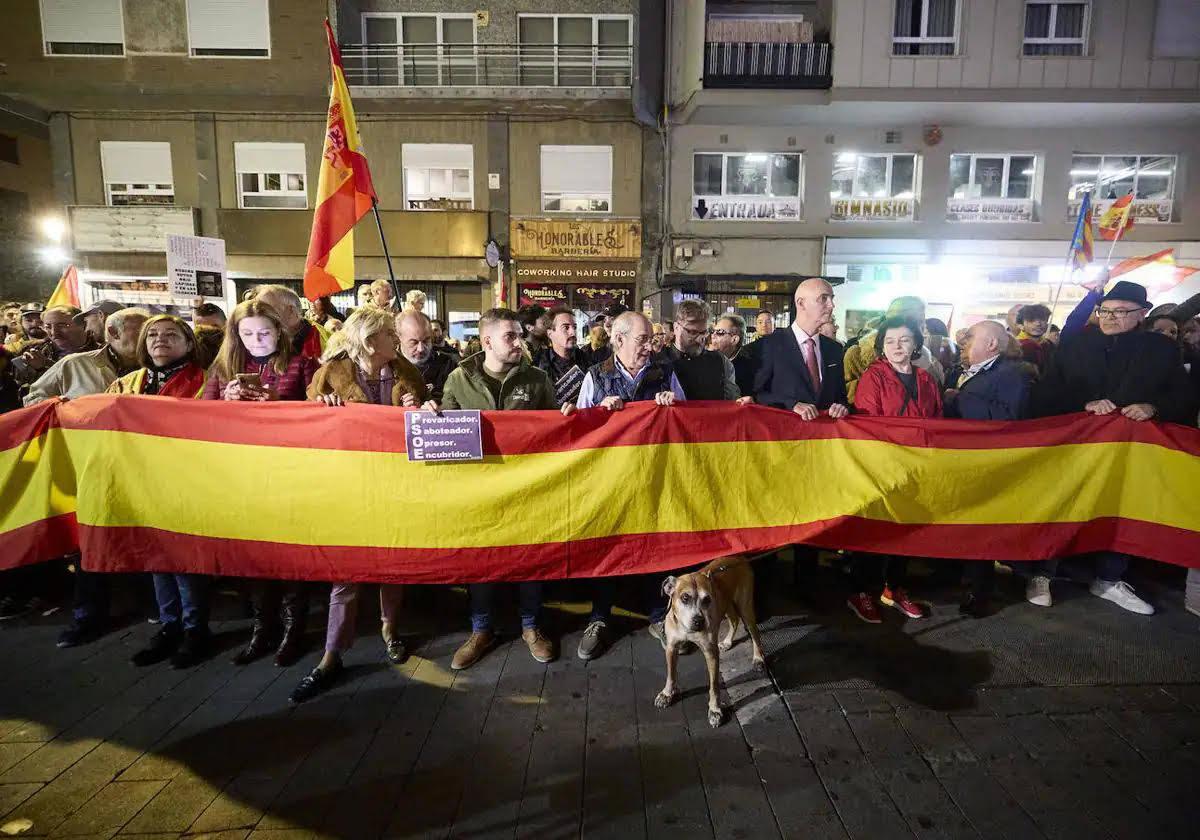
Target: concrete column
{"points": [[208, 185], [62, 160]]}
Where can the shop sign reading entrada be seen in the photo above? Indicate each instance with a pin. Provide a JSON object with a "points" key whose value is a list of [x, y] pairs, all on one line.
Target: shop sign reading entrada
{"points": [[619, 239]]}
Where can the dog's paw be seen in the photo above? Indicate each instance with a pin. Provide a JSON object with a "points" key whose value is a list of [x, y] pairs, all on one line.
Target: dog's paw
{"points": [[759, 666], [665, 699], [716, 717]]}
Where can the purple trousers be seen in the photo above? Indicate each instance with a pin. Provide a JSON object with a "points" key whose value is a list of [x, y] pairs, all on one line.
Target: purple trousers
{"points": [[343, 612]]}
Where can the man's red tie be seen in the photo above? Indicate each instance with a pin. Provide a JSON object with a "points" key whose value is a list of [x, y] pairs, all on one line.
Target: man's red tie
{"points": [[810, 359]]}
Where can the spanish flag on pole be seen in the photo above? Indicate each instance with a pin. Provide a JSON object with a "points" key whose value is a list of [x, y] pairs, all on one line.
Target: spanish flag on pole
{"points": [[1117, 219], [344, 192], [66, 293]]}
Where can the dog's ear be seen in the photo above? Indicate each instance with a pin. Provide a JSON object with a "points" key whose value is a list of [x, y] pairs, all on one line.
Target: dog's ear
{"points": [[668, 586]]}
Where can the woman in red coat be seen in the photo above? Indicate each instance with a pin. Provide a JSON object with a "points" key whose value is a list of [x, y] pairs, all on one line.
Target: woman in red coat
{"points": [[891, 387]]}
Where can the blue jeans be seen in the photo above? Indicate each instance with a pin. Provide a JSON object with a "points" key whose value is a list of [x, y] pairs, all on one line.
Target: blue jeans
{"points": [[182, 599], [1110, 566], [483, 597]]}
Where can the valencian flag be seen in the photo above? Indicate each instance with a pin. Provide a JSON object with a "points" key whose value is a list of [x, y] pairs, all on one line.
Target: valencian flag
{"points": [[66, 293], [344, 192], [1117, 219], [1082, 239]]}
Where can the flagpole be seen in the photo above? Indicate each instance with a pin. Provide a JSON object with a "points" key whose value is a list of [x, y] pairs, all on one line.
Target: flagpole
{"points": [[386, 255]]}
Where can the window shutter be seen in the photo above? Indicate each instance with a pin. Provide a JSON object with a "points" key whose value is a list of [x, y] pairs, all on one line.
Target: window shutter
{"points": [[269, 157], [82, 21], [577, 169], [136, 163], [228, 25], [438, 155]]}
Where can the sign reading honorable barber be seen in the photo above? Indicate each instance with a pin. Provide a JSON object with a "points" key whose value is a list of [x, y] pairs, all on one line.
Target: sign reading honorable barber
{"points": [[449, 436], [555, 239]]}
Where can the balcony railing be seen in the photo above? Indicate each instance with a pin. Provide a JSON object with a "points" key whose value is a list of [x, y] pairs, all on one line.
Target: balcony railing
{"points": [[488, 65], [729, 64]]}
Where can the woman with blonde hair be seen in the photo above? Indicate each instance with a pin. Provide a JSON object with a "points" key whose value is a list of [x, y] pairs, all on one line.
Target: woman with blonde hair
{"points": [[257, 363], [362, 364], [415, 301], [168, 353]]}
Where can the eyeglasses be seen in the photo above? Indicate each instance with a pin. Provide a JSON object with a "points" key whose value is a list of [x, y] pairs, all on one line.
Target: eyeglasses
{"points": [[723, 333], [692, 332], [1116, 313]]}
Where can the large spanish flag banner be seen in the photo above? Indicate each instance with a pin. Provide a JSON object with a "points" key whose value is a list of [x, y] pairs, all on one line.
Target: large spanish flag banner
{"points": [[297, 490], [344, 191]]}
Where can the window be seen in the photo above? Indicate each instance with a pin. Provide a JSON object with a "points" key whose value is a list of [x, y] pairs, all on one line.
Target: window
{"points": [[746, 185], [575, 50], [577, 179], [1151, 179], [137, 173], [991, 188], [229, 28], [438, 176], [9, 149], [82, 27], [874, 186], [1177, 29], [1053, 28], [270, 176], [426, 50], [925, 27]]}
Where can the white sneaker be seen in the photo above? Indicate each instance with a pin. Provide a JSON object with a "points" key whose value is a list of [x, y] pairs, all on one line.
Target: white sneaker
{"points": [[1037, 591], [1121, 594]]}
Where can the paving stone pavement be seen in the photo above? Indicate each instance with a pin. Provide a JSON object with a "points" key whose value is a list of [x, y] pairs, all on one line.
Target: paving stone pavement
{"points": [[1078, 721]]}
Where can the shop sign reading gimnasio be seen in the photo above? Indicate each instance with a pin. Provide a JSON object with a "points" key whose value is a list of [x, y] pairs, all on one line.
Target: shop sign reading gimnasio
{"points": [[554, 239]]}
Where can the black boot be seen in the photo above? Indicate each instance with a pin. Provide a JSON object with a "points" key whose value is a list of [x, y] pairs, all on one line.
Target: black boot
{"points": [[193, 649], [295, 615], [264, 633], [162, 645]]}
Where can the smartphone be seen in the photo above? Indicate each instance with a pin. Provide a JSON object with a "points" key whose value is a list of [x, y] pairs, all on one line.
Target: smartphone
{"points": [[252, 381]]}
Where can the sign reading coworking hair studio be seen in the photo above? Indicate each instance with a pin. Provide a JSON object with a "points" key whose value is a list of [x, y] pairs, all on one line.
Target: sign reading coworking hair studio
{"points": [[555, 239]]}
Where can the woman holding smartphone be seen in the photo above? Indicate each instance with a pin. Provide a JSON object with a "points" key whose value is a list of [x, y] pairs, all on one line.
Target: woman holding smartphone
{"points": [[256, 364]]}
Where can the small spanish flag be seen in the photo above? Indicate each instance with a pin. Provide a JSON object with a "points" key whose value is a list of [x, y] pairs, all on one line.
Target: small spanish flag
{"points": [[66, 293], [1169, 275], [344, 192], [1117, 219]]}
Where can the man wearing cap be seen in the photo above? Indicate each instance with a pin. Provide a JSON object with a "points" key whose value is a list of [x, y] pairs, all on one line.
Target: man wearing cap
{"points": [[65, 336], [94, 318], [1117, 369], [30, 329]]}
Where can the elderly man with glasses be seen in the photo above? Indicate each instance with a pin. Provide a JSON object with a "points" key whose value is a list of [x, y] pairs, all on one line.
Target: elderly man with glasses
{"points": [[1118, 369]]}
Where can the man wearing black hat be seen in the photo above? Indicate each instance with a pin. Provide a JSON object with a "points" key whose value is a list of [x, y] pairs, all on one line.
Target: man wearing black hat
{"points": [[1118, 368], [95, 317]]}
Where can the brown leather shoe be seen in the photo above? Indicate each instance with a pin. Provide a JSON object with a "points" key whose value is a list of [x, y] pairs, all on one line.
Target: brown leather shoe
{"points": [[541, 648], [472, 650]]}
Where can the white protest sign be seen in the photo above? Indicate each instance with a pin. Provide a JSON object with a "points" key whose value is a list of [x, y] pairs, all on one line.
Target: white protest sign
{"points": [[196, 266]]}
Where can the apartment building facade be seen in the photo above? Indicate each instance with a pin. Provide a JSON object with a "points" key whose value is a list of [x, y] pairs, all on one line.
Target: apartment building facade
{"points": [[931, 147], [483, 122]]}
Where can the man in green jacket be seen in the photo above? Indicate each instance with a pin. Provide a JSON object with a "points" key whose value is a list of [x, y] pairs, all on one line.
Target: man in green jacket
{"points": [[500, 378]]}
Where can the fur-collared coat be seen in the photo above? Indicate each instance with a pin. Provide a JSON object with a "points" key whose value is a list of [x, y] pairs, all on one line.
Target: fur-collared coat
{"points": [[337, 376]]}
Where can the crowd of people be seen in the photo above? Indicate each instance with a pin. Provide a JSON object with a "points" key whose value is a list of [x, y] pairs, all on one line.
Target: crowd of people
{"points": [[1113, 355]]}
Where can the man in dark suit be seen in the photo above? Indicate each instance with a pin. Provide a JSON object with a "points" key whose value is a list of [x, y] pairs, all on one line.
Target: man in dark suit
{"points": [[799, 369], [992, 387]]}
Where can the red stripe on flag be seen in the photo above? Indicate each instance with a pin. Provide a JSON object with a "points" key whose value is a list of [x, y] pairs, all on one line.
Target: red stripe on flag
{"points": [[369, 428], [332, 220], [40, 541], [129, 549]]}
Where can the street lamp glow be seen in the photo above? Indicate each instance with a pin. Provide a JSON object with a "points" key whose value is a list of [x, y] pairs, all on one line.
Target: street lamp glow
{"points": [[54, 256], [53, 228]]}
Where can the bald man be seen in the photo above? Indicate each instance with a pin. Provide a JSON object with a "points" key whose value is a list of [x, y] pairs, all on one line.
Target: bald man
{"points": [[800, 369], [993, 386]]}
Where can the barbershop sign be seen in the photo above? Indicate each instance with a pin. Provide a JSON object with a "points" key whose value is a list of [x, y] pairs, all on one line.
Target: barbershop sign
{"points": [[539, 271], [612, 239]]}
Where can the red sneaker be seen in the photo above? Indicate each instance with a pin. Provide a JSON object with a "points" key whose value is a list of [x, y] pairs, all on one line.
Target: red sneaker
{"points": [[898, 598], [863, 606]]}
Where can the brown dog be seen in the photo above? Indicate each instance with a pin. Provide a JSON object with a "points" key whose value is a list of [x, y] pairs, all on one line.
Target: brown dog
{"points": [[724, 589]]}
